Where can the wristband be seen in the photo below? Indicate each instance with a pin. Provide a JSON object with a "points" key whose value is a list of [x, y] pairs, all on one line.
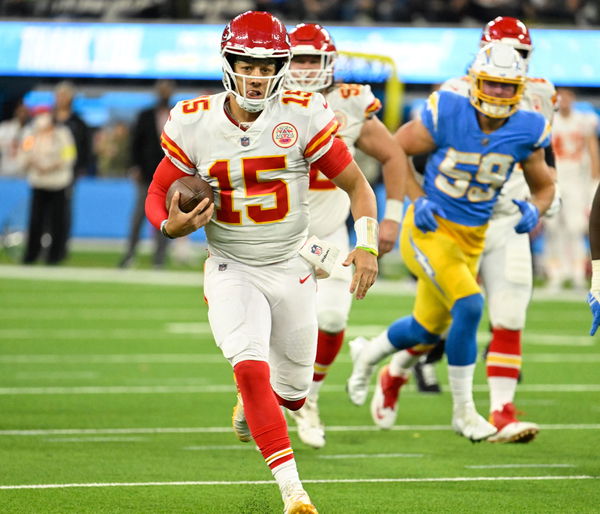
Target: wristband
{"points": [[595, 286], [393, 210], [163, 229], [367, 234]]}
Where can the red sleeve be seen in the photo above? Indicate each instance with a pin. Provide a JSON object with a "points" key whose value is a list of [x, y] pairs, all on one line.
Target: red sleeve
{"points": [[166, 173], [335, 160]]}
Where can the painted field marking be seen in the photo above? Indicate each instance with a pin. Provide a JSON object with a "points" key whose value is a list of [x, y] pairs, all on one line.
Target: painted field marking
{"points": [[228, 388], [370, 456], [401, 288], [94, 439], [309, 481], [211, 358], [512, 466], [235, 447], [218, 430]]}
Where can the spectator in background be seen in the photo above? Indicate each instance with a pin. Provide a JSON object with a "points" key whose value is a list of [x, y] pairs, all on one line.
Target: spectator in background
{"points": [[577, 164], [47, 156], [64, 114], [146, 154], [64, 94], [11, 138], [112, 149]]}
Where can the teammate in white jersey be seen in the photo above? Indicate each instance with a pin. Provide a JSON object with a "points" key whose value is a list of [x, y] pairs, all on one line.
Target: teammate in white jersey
{"points": [[313, 57], [254, 144], [576, 146], [505, 268]]}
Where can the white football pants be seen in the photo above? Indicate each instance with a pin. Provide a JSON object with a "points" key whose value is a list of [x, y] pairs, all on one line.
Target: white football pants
{"points": [[265, 313]]}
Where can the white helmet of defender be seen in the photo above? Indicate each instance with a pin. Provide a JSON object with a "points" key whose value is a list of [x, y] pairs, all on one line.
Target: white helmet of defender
{"points": [[497, 62]]}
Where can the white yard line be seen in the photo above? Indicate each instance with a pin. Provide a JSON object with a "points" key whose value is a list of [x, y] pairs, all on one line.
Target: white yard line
{"points": [[513, 466], [94, 439], [370, 456], [228, 388], [211, 358], [316, 481], [195, 279], [235, 447], [218, 430]]}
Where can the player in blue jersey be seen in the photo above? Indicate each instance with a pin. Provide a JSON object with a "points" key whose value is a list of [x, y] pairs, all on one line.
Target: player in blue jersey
{"points": [[474, 144]]}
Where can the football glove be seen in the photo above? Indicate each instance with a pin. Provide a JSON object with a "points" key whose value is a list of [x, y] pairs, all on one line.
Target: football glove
{"points": [[424, 211], [593, 299], [529, 218]]}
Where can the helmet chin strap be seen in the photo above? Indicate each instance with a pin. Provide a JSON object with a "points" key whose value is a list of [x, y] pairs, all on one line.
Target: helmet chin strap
{"points": [[495, 111], [249, 105]]}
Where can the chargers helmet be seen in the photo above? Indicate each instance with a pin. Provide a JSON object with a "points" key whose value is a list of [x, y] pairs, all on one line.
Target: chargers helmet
{"points": [[497, 62], [511, 31], [312, 39], [255, 35]]}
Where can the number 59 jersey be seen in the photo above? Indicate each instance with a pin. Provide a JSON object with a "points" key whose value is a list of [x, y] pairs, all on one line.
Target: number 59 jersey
{"points": [[466, 171], [259, 176]]}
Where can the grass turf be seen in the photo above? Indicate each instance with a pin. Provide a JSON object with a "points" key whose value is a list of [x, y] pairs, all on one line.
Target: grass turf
{"points": [[95, 366]]}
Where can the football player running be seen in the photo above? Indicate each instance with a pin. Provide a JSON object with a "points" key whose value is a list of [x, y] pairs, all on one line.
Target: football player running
{"points": [[474, 143], [311, 69], [254, 144], [505, 268]]}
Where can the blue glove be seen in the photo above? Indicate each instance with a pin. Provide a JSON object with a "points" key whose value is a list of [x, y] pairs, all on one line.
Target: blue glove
{"points": [[424, 211], [593, 299], [529, 218]]}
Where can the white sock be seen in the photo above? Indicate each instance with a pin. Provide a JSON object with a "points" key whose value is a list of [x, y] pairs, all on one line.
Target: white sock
{"points": [[314, 389], [461, 385], [286, 473], [502, 391], [402, 363], [377, 349]]}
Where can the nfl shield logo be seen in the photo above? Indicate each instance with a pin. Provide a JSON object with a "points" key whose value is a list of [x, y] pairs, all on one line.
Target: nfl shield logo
{"points": [[245, 141], [317, 250]]}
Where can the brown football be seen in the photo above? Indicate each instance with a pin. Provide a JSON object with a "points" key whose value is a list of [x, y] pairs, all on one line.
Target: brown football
{"points": [[192, 190]]}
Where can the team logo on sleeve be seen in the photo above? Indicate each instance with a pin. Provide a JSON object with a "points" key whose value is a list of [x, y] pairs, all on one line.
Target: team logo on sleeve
{"points": [[285, 135]]}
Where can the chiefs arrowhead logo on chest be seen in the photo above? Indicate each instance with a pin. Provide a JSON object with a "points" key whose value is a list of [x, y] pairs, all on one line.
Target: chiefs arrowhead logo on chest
{"points": [[285, 135]]}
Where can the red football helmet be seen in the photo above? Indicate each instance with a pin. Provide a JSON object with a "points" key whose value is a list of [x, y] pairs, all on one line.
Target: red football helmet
{"points": [[256, 35], [311, 39], [510, 31]]}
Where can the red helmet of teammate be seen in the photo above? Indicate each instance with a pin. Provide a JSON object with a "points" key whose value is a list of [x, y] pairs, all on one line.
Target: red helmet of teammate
{"points": [[511, 31], [311, 39], [249, 36]]}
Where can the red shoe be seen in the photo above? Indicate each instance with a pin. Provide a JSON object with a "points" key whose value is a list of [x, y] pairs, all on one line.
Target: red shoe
{"points": [[384, 405], [510, 429]]}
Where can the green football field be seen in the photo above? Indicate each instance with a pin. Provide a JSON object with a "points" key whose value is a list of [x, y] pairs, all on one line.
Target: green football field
{"points": [[113, 398]]}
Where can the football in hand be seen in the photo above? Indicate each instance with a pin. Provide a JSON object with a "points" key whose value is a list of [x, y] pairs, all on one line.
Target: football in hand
{"points": [[192, 190]]}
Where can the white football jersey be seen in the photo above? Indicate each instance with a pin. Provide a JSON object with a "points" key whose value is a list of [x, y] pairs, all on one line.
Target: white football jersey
{"points": [[329, 205], [570, 135], [539, 96], [259, 176]]}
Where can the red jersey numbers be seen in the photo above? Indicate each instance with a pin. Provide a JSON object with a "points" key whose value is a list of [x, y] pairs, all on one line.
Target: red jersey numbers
{"points": [[254, 187], [297, 97], [191, 106]]}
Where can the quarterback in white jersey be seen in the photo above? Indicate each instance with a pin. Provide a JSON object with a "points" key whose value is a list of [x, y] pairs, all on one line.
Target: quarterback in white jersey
{"points": [[505, 265], [576, 146], [355, 106], [254, 145]]}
